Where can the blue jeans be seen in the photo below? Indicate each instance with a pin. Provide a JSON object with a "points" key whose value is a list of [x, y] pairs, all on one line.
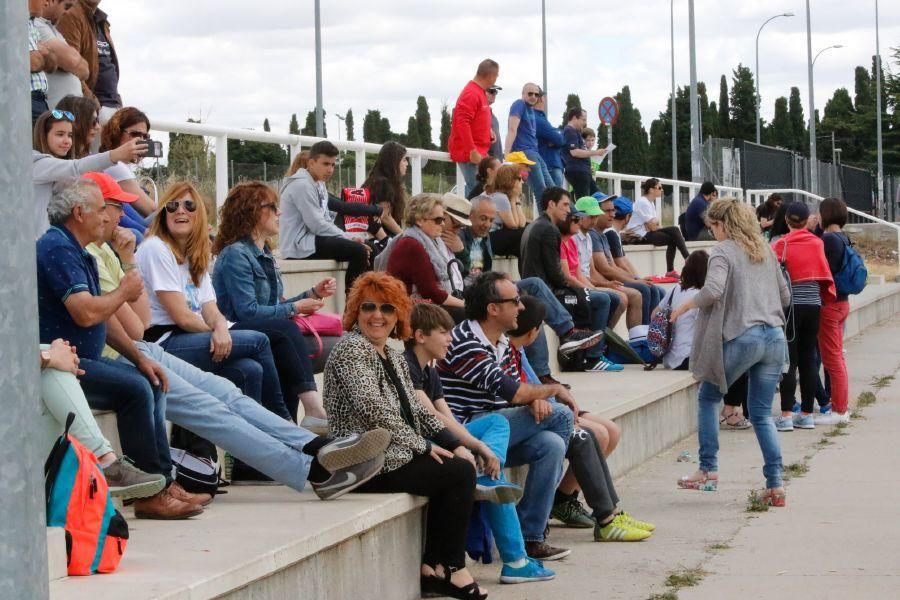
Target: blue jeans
{"points": [[469, 171], [541, 446], [213, 408], [556, 176], [140, 411], [250, 362], [760, 352], [493, 430], [651, 296], [603, 304], [557, 317], [539, 178]]}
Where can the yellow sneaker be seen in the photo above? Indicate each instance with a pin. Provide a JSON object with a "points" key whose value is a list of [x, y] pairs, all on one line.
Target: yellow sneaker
{"points": [[619, 530], [639, 524]]}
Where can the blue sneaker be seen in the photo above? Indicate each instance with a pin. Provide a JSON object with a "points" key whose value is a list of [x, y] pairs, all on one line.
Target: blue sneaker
{"points": [[604, 364], [796, 408], [802, 421], [784, 423], [825, 409], [533, 571], [498, 491]]}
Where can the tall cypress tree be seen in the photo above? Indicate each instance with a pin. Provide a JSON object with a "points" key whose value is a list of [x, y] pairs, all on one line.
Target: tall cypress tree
{"points": [[743, 104], [800, 142], [372, 127], [838, 117], [310, 127], [412, 134], [294, 126], [266, 126], [630, 137], [724, 110], [423, 123], [781, 130], [446, 121], [349, 122]]}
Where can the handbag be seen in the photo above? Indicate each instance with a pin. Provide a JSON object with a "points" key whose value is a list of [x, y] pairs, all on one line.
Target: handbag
{"points": [[318, 324]]}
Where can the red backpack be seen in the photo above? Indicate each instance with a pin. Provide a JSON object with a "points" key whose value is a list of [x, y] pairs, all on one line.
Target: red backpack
{"points": [[358, 226], [78, 500]]}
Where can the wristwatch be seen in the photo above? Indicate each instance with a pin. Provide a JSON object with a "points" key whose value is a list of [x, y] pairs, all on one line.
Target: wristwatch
{"points": [[45, 359]]}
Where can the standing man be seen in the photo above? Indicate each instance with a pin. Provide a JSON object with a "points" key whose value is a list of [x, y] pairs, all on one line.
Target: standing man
{"points": [[550, 142], [694, 223], [86, 28], [72, 68], [575, 155], [522, 137], [42, 60], [496, 146], [470, 131]]}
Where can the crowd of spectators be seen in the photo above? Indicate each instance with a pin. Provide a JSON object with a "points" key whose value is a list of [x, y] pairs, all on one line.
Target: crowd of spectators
{"points": [[144, 313]]}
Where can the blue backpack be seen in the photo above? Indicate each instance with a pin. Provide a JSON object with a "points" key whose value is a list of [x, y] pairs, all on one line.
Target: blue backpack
{"points": [[851, 279]]}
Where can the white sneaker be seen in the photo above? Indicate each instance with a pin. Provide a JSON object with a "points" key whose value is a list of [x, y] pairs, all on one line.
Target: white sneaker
{"points": [[832, 418]]}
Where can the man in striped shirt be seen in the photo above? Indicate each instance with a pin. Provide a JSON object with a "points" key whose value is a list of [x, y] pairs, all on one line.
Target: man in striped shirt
{"points": [[480, 375]]}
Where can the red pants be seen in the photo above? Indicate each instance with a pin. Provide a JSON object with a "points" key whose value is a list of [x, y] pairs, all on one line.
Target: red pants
{"points": [[831, 346]]}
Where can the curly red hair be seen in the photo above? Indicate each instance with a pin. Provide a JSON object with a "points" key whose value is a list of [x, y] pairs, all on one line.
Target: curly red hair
{"points": [[242, 211], [377, 286]]}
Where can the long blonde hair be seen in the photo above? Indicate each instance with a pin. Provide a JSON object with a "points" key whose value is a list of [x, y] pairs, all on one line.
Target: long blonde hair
{"points": [[740, 225], [198, 247]]}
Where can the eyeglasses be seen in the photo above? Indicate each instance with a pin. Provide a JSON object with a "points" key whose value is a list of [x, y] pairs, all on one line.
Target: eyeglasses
{"points": [[137, 134], [172, 206], [513, 300], [62, 114], [491, 91], [437, 220], [271, 206], [370, 307]]}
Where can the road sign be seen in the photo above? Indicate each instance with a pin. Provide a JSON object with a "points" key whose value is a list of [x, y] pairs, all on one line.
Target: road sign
{"points": [[608, 111]]}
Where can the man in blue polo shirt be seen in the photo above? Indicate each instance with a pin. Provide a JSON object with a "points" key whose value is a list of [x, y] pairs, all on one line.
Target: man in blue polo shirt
{"points": [[694, 221], [576, 156], [522, 137]]}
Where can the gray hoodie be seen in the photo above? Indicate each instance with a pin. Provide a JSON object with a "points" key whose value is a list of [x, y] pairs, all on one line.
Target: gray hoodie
{"points": [[304, 215], [47, 170]]}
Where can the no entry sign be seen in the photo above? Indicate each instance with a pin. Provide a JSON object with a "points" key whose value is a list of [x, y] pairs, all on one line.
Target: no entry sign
{"points": [[608, 111]]}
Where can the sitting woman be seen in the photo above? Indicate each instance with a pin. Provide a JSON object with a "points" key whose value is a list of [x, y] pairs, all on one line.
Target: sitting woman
{"points": [[368, 385], [184, 317], [385, 185], [408, 256], [127, 124], [644, 226], [250, 292], [487, 170], [506, 192], [693, 276]]}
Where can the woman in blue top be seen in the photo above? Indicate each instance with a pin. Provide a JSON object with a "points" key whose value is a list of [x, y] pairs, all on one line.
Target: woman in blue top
{"points": [[249, 291]]}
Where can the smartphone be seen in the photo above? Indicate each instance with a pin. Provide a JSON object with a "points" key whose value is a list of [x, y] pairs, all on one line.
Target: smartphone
{"points": [[154, 148]]}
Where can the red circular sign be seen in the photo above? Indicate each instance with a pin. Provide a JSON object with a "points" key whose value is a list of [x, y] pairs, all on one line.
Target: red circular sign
{"points": [[608, 111]]}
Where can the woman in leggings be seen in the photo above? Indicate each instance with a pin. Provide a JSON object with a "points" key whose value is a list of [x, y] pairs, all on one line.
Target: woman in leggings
{"points": [[644, 227]]}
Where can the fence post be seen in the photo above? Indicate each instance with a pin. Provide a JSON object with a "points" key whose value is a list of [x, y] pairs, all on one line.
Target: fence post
{"points": [[416, 164], [461, 182], [676, 203], [360, 167], [221, 170], [23, 535]]}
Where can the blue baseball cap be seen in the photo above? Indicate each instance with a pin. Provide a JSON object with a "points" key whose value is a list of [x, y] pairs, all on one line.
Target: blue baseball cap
{"points": [[623, 207], [601, 197]]}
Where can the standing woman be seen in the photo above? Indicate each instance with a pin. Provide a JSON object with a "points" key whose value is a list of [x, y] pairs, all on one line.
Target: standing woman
{"points": [[385, 185], [368, 386], [184, 318], [250, 292], [833, 213], [739, 330], [506, 192], [644, 227]]}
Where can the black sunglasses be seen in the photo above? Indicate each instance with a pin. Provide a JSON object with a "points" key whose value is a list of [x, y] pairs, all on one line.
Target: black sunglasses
{"points": [[370, 307], [172, 206], [533, 94], [437, 220], [513, 300]]}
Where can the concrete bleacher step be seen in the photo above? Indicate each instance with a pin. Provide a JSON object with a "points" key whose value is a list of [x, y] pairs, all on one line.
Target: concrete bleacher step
{"points": [[57, 559]]}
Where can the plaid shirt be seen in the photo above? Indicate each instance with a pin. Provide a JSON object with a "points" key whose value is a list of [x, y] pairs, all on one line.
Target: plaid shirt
{"points": [[38, 78]]}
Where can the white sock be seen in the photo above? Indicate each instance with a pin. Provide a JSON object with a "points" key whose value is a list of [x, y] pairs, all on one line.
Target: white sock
{"points": [[518, 564]]}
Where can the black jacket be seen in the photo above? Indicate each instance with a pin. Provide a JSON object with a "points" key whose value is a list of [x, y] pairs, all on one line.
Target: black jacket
{"points": [[539, 256]]}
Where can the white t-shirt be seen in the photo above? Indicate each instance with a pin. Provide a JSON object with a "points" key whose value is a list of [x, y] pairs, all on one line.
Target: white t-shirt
{"points": [[585, 252], [59, 83], [643, 211], [162, 273], [120, 172], [683, 328]]}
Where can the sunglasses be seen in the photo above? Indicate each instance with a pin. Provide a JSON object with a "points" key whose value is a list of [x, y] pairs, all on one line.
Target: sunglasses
{"points": [[513, 300], [62, 114], [533, 94], [271, 206], [370, 307], [172, 206], [574, 219], [138, 134], [437, 220]]}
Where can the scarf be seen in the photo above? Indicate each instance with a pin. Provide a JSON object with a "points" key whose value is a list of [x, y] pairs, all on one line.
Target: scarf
{"points": [[440, 257]]}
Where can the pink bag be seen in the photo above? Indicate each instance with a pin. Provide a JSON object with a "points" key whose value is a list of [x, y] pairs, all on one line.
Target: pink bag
{"points": [[318, 324]]}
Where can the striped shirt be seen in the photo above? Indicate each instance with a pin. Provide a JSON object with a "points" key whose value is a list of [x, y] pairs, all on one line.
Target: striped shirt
{"points": [[806, 293], [38, 78], [477, 376]]}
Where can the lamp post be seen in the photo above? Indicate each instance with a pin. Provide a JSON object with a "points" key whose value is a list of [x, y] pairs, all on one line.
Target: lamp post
{"points": [[320, 114], [695, 114], [788, 14], [879, 198], [544, 48], [813, 167], [342, 119], [674, 144], [823, 50]]}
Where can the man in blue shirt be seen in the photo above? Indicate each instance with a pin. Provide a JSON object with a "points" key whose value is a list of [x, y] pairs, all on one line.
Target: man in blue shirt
{"points": [[576, 156], [694, 222], [522, 137], [550, 142]]}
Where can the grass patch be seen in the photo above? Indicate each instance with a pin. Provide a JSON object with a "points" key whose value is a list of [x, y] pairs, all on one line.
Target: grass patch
{"points": [[824, 442], [755, 502], [856, 414], [865, 399], [837, 430], [685, 578], [882, 382], [718, 546], [798, 469], [670, 595]]}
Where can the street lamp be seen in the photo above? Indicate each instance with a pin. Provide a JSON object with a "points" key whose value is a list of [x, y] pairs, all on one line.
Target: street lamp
{"points": [[342, 119], [674, 144], [823, 50], [813, 157], [320, 113], [788, 14]]}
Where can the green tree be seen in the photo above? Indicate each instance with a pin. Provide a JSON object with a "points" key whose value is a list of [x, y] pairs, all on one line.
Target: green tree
{"points": [[266, 126], [660, 151], [189, 155], [248, 152], [572, 101], [294, 126], [724, 110], [838, 118], [411, 139], [423, 124], [310, 127], [781, 130], [349, 123], [712, 118], [743, 104], [376, 129], [630, 137], [800, 142], [446, 121]]}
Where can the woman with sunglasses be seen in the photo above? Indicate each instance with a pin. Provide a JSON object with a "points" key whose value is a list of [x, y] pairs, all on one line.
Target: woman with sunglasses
{"points": [[368, 385], [53, 144], [644, 227], [250, 292], [128, 124], [409, 255], [184, 318], [506, 192]]}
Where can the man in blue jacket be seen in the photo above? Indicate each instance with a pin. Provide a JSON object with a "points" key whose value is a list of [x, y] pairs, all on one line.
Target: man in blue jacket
{"points": [[550, 142], [694, 223]]}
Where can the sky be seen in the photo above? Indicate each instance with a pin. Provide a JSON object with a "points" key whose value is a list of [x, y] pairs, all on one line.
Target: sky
{"points": [[234, 62]]}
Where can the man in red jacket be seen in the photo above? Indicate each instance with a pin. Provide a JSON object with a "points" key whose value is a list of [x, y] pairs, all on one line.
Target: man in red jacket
{"points": [[470, 131]]}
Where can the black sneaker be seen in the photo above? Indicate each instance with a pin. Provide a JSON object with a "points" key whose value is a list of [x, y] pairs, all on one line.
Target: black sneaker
{"points": [[544, 551], [571, 513], [128, 482], [578, 339], [354, 449], [347, 479]]}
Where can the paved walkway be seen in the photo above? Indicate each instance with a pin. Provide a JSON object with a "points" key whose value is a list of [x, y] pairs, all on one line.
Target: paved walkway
{"points": [[839, 536]]}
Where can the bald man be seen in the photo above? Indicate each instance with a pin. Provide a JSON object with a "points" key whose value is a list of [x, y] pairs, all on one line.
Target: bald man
{"points": [[522, 137]]}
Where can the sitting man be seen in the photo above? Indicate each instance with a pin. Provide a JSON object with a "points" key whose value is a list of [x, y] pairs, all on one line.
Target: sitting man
{"points": [[487, 438], [540, 259], [203, 403], [695, 216], [480, 377], [307, 225]]}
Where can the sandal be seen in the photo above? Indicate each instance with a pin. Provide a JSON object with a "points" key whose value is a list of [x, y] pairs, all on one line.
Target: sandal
{"points": [[772, 498], [701, 480], [734, 421], [431, 586], [469, 591]]}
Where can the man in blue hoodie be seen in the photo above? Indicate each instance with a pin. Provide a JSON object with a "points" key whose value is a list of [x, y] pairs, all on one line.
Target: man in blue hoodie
{"points": [[550, 141]]}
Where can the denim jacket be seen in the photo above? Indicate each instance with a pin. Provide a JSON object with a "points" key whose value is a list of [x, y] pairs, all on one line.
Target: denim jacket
{"points": [[248, 283]]}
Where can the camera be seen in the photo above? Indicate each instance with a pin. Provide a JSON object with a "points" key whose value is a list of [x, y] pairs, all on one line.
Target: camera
{"points": [[154, 148]]}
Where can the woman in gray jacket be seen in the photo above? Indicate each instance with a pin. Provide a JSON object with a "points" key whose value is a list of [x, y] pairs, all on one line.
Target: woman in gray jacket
{"points": [[739, 330]]}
